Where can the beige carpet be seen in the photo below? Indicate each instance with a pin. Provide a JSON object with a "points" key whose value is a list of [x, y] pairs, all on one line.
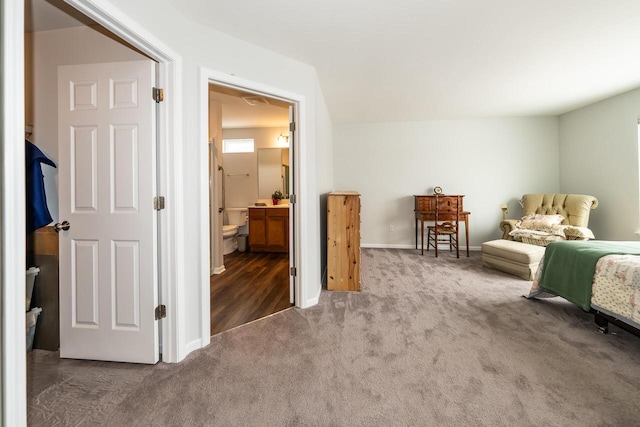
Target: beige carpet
{"points": [[426, 343]]}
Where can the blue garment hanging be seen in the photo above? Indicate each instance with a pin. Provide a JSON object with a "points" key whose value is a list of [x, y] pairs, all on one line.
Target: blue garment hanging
{"points": [[36, 200]]}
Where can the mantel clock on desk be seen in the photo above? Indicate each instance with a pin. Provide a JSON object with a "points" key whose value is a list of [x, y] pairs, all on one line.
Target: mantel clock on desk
{"points": [[424, 211]]}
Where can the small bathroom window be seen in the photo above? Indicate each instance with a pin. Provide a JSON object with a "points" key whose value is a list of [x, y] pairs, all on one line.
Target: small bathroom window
{"points": [[237, 145]]}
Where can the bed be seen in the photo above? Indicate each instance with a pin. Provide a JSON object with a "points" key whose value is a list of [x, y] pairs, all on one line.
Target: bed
{"points": [[598, 276]]}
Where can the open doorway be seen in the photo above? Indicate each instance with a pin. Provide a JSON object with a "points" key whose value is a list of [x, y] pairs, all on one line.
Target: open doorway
{"points": [[58, 38], [251, 176]]}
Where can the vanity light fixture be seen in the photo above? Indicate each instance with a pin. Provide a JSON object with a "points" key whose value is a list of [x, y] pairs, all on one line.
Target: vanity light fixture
{"points": [[283, 140]]}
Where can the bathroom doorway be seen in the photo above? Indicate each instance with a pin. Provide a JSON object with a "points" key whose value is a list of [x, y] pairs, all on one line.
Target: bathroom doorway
{"points": [[251, 159]]}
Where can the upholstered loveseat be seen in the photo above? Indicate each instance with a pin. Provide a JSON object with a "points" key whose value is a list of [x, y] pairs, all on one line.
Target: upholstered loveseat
{"points": [[516, 254]]}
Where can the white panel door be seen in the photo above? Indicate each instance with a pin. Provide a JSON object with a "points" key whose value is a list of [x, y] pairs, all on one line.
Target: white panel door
{"points": [[106, 152]]}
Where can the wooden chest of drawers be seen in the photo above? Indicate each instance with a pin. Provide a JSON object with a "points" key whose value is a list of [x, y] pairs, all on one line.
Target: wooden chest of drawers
{"points": [[343, 241]]}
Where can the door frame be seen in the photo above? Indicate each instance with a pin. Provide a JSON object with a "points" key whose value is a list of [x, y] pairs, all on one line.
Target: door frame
{"points": [[207, 77], [13, 392]]}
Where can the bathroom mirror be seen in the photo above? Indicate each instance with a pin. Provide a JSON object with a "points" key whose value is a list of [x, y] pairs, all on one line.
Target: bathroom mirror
{"points": [[273, 171]]}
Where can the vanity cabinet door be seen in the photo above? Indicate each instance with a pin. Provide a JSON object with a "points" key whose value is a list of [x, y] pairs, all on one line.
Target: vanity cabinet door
{"points": [[269, 229], [257, 228], [277, 230]]}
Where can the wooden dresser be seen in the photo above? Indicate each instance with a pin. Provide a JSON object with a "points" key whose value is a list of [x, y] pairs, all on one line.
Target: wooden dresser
{"points": [[343, 241], [269, 229]]}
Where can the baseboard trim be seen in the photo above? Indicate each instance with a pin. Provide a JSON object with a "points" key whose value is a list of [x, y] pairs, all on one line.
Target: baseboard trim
{"points": [[194, 345], [311, 301], [217, 270], [389, 246], [385, 246]]}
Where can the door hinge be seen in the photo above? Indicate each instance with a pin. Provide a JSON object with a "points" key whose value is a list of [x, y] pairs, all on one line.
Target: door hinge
{"points": [[292, 198], [158, 94], [294, 271], [292, 126], [161, 312], [158, 203]]}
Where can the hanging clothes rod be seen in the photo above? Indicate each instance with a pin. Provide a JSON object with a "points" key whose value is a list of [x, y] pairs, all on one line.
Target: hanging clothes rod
{"points": [[28, 131]]}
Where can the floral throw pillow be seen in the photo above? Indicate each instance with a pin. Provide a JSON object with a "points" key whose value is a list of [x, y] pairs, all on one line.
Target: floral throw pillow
{"points": [[540, 222], [578, 233], [535, 237]]}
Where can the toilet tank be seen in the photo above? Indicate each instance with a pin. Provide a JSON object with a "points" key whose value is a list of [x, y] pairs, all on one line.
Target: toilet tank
{"points": [[237, 216]]}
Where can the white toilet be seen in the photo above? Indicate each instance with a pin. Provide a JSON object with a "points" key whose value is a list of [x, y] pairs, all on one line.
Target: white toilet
{"points": [[235, 221]]}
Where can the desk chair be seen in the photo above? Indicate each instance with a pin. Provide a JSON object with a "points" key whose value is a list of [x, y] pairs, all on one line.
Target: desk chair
{"points": [[446, 223]]}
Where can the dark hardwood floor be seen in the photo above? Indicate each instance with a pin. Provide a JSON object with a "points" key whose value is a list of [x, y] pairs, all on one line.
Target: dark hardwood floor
{"points": [[254, 285]]}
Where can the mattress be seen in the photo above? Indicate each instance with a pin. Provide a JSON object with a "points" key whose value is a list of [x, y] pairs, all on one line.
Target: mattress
{"points": [[616, 288]]}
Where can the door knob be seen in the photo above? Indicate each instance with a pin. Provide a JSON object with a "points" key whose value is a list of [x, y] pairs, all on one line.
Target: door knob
{"points": [[65, 225]]}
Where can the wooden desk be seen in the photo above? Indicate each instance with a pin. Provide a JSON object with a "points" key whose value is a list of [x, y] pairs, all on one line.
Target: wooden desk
{"points": [[425, 211]]}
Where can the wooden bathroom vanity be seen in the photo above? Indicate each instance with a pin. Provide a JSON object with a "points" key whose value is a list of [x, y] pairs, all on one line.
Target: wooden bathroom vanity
{"points": [[269, 229]]}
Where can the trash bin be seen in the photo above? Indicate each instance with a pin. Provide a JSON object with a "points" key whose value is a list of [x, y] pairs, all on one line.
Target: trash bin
{"points": [[32, 319], [242, 242], [30, 280]]}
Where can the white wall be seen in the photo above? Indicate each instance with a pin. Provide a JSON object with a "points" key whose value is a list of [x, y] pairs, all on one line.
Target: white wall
{"points": [[324, 144], [490, 161], [203, 47], [599, 156], [325, 174], [44, 52], [242, 190]]}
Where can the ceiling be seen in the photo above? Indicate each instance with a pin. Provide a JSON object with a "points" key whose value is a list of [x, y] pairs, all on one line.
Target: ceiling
{"points": [[381, 61], [44, 15], [246, 110]]}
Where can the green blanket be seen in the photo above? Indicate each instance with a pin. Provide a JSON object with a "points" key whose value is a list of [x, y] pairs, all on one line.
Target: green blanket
{"points": [[569, 266]]}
